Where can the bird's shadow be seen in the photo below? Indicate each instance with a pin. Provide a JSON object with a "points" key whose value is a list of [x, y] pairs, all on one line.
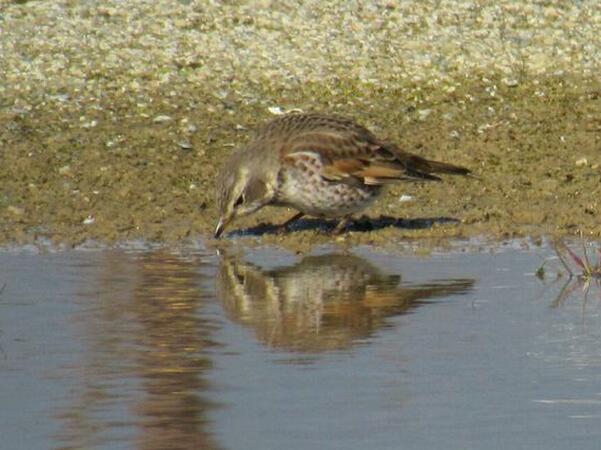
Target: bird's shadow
{"points": [[361, 225]]}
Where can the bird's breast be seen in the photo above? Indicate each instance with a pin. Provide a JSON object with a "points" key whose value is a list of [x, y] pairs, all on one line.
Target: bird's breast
{"points": [[301, 186]]}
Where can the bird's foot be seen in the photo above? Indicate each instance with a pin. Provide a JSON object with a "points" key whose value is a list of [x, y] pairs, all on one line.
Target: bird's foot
{"points": [[342, 226], [283, 227]]}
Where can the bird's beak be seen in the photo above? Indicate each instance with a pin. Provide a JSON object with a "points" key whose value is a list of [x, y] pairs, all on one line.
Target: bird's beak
{"points": [[220, 227]]}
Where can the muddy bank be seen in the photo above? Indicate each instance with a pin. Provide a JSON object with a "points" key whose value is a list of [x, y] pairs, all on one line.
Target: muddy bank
{"points": [[126, 152], [128, 176]]}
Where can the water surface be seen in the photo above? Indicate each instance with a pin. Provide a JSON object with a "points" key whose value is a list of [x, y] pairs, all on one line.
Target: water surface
{"points": [[159, 349]]}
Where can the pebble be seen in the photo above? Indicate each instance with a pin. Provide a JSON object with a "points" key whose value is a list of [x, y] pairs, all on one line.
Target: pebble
{"points": [[64, 170], [15, 210], [162, 119], [137, 46]]}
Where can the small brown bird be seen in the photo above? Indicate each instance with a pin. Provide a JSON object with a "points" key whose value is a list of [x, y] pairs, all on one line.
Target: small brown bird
{"points": [[320, 165]]}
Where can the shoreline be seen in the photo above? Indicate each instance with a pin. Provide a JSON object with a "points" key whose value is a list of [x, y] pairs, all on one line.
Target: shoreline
{"points": [[114, 122]]}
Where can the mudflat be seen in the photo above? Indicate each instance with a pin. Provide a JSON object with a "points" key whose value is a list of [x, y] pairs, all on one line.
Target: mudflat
{"points": [[115, 119]]}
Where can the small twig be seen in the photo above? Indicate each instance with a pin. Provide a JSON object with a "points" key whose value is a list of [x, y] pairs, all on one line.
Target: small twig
{"points": [[577, 259], [565, 292], [589, 267], [585, 301]]}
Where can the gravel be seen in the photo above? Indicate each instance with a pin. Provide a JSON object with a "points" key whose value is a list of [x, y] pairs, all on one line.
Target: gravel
{"points": [[53, 51]]}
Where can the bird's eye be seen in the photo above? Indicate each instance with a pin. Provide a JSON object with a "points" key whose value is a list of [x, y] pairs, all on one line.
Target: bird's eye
{"points": [[239, 201]]}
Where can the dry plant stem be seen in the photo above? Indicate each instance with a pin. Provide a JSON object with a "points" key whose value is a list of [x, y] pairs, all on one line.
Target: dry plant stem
{"points": [[589, 267], [567, 289], [585, 301]]}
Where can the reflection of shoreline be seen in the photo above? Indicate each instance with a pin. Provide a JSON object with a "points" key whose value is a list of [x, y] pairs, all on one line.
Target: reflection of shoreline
{"points": [[322, 303], [171, 361], [142, 380]]}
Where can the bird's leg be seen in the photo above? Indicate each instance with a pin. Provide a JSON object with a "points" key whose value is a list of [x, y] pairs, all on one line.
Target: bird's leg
{"points": [[284, 226], [342, 225]]}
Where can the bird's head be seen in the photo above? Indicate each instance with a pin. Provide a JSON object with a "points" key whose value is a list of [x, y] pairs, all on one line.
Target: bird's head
{"points": [[240, 191]]}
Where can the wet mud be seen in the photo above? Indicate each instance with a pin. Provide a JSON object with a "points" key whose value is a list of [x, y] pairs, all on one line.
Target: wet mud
{"points": [[115, 170]]}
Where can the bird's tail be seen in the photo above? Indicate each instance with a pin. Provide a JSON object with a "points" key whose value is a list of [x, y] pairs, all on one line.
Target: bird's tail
{"points": [[441, 167], [419, 164]]}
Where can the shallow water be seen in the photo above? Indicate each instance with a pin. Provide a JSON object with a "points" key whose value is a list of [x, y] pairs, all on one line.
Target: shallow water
{"points": [[124, 349]]}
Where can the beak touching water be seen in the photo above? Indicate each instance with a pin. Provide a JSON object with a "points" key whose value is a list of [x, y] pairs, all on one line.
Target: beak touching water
{"points": [[220, 227]]}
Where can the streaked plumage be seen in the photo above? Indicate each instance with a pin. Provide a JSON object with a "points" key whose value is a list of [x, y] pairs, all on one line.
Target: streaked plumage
{"points": [[320, 165], [320, 302]]}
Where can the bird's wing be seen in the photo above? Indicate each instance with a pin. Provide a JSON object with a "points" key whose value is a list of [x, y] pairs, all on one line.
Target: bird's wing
{"points": [[352, 157]]}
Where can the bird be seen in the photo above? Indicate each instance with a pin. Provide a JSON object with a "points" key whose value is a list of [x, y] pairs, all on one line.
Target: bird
{"points": [[322, 302], [321, 165]]}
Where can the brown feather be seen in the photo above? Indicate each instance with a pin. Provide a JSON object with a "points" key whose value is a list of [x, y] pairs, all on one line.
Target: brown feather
{"points": [[349, 166], [377, 171], [418, 163], [321, 165], [348, 150]]}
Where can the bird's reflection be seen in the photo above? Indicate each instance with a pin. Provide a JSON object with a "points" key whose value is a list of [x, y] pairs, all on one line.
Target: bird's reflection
{"points": [[322, 303]]}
